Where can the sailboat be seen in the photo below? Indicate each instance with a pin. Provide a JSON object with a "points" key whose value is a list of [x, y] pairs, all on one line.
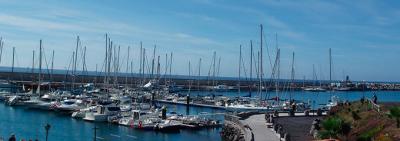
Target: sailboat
{"points": [[24, 98], [334, 99], [315, 88], [38, 101], [246, 103]]}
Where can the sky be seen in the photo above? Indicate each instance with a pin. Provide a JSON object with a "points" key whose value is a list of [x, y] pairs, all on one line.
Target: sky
{"points": [[364, 35]]}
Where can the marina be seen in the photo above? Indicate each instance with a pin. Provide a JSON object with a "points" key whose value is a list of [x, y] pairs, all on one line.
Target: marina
{"points": [[198, 70], [62, 122]]}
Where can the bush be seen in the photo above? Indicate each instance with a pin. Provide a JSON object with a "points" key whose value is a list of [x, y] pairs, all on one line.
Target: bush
{"points": [[367, 136], [394, 113], [334, 126]]}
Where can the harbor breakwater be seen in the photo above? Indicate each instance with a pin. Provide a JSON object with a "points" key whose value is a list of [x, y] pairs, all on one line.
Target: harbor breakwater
{"points": [[57, 80]]}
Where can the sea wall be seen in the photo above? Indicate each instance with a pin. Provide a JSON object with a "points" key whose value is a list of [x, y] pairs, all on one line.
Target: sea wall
{"points": [[234, 130]]}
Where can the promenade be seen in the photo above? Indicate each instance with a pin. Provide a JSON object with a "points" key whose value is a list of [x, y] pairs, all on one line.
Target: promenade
{"points": [[257, 123]]}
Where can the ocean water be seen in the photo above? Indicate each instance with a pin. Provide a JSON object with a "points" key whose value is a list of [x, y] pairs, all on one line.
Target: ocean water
{"points": [[316, 97], [29, 124]]}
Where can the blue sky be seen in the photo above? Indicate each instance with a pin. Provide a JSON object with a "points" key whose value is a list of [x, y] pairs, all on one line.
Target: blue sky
{"points": [[363, 34]]}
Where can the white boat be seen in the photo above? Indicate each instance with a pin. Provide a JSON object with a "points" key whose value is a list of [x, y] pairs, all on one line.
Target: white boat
{"points": [[103, 112], [12, 100], [46, 102], [125, 103], [3, 95], [168, 126], [315, 89], [171, 87], [300, 106], [16, 100], [333, 102], [141, 119], [151, 85], [220, 88], [70, 105], [343, 89], [248, 108], [82, 112]]}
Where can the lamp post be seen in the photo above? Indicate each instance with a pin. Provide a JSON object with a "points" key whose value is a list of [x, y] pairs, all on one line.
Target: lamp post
{"points": [[47, 128], [95, 133]]}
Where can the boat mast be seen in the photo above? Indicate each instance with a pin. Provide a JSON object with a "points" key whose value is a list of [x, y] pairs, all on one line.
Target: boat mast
{"points": [[330, 68], [292, 79], [117, 66], [75, 62], [198, 78], [33, 65], [314, 75], [278, 74], [166, 69], [143, 64], [278, 66], [261, 61], [95, 77], [13, 56], [330, 73], [40, 66], [52, 70], [1, 47], [131, 74], [258, 67], [190, 82], [240, 62], [127, 68], [153, 63], [106, 62], [140, 63], [218, 68], [84, 64], [170, 68], [110, 52], [12, 64], [251, 67], [214, 58], [158, 67]]}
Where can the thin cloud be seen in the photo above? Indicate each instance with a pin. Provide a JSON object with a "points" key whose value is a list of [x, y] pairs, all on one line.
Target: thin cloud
{"points": [[33, 24]]}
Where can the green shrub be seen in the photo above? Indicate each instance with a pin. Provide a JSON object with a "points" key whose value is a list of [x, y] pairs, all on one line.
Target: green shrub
{"points": [[367, 136], [394, 113], [334, 126]]}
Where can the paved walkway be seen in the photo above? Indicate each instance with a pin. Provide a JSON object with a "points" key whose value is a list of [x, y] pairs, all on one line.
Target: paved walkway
{"points": [[258, 125]]}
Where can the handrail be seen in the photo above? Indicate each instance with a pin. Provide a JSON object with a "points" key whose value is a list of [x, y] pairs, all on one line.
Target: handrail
{"points": [[374, 105]]}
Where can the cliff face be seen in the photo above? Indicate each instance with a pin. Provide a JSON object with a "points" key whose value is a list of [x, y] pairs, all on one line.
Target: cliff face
{"points": [[363, 121]]}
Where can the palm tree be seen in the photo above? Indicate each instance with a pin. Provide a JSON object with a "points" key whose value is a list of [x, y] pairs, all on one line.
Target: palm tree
{"points": [[394, 113]]}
